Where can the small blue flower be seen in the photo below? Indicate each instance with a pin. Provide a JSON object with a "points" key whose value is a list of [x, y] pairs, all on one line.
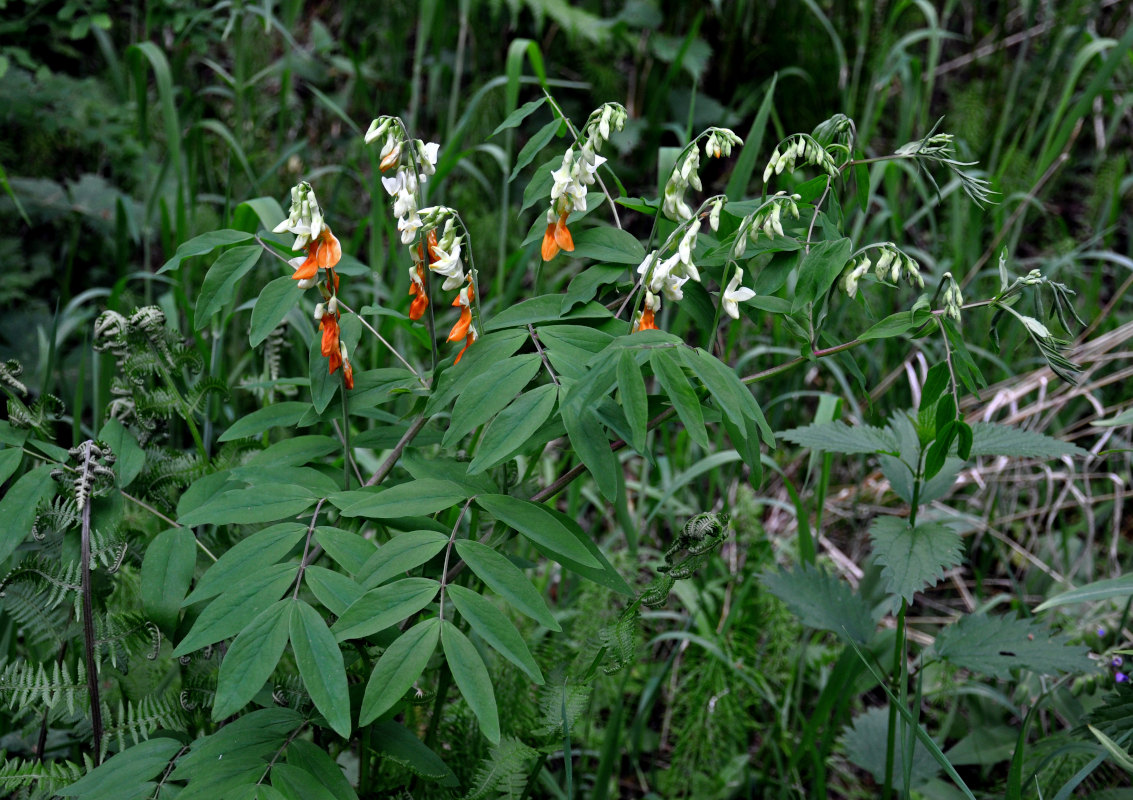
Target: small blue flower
{"points": [[1116, 661], [1101, 631], [1121, 677]]}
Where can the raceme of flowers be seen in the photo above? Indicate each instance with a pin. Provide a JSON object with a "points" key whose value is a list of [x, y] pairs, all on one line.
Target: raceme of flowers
{"points": [[891, 264], [305, 220], [575, 175], [800, 145]]}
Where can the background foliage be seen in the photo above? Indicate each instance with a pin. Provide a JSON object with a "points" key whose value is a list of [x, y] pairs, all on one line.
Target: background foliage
{"points": [[130, 129]]}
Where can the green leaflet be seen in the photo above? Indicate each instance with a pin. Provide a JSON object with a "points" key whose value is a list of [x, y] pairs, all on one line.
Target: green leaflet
{"points": [[634, 400], [489, 350], [680, 392], [544, 308], [277, 415], [246, 557], [349, 550], [608, 245], [203, 244], [523, 112], [229, 613], [507, 580], [384, 607], [493, 627], [822, 601], [396, 743], [538, 524], [913, 558], [511, 429], [251, 659], [130, 458], [838, 437], [316, 761], [589, 440], [399, 666], [819, 269], [333, 589], [472, 679], [121, 774], [298, 784], [995, 645], [488, 393], [410, 499], [320, 666], [220, 282], [167, 571], [17, 507], [248, 505], [536, 143], [399, 555], [276, 298], [1091, 592]]}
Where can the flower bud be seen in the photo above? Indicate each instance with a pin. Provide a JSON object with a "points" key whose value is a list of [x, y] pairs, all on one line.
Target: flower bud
{"points": [[320, 311]]}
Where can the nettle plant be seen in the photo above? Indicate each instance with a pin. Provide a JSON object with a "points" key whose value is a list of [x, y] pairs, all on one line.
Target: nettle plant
{"points": [[374, 590]]}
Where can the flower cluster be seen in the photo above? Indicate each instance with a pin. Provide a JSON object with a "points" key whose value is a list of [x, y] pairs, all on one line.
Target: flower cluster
{"points": [[464, 330], [799, 146], [305, 220], [405, 184], [575, 175], [766, 221], [891, 264], [718, 142], [953, 300], [669, 275]]}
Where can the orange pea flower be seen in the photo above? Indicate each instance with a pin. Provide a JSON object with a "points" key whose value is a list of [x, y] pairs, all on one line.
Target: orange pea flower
{"points": [[417, 287], [463, 330], [324, 252], [557, 237]]}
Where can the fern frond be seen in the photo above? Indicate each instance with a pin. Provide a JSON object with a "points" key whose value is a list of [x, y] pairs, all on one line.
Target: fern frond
{"points": [[121, 637], [557, 697], [503, 774], [42, 778], [199, 392], [37, 624], [40, 686], [136, 721], [10, 372], [54, 582], [55, 516]]}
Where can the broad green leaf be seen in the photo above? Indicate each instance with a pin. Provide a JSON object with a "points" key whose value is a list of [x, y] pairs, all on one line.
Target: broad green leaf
{"points": [[864, 740], [276, 298], [220, 282], [584, 286], [489, 350], [727, 389], [536, 523], [680, 392], [167, 571], [447, 468], [523, 112], [315, 760], [995, 645], [385, 606], [295, 783], [248, 505], [991, 439], [487, 394], [544, 308], [507, 580], [256, 735], [18, 507], [204, 244], [494, 628], [251, 659], [838, 437], [570, 348], [229, 613], [123, 773], [295, 452], [1092, 592], [399, 555], [635, 402], [333, 589], [246, 557], [589, 440], [324, 385], [608, 245], [315, 481], [472, 679], [819, 269], [934, 385], [896, 324], [396, 743], [822, 601], [511, 429], [410, 499], [10, 459], [398, 668], [913, 559], [129, 456], [536, 143], [351, 550], [277, 415], [265, 212], [321, 666], [604, 574]]}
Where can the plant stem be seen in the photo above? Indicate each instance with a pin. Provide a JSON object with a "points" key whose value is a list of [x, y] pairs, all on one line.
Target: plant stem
{"points": [[88, 618], [307, 547], [388, 465]]}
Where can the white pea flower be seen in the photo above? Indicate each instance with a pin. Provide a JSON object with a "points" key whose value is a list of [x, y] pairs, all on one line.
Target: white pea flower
{"points": [[735, 294]]}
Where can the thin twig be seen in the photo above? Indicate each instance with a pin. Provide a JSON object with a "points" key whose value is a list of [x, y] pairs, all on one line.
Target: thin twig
{"points": [[157, 513], [388, 465], [448, 552], [88, 614], [307, 547], [542, 354]]}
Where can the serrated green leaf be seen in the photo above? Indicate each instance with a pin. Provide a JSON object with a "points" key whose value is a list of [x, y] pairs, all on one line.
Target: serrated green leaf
{"points": [[634, 400], [123, 773], [494, 628], [398, 668], [537, 142], [251, 659], [246, 557], [202, 245], [511, 429], [321, 666], [410, 499], [838, 437], [608, 245], [399, 555], [276, 298], [506, 580], [864, 739], [220, 282], [237, 606], [489, 393], [992, 439], [472, 679], [167, 571], [536, 523], [822, 601], [913, 559], [277, 415], [995, 645], [248, 505], [385, 606]]}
